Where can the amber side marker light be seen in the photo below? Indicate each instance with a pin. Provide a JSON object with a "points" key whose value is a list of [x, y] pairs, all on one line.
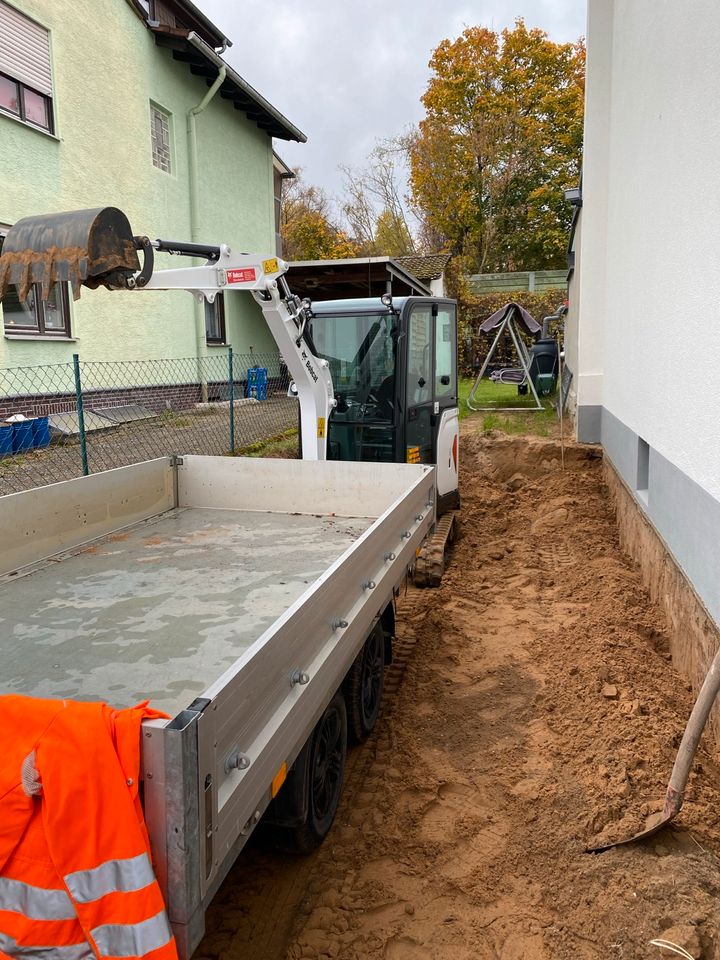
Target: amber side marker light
{"points": [[278, 780]]}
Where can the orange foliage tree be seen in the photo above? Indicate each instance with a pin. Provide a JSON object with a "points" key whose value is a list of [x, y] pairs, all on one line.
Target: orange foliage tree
{"points": [[501, 139], [307, 226]]}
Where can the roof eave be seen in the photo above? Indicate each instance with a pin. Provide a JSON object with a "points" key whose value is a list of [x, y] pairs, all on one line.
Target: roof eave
{"points": [[292, 132], [198, 15], [286, 172], [195, 14], [190, 48], [391, 265]]}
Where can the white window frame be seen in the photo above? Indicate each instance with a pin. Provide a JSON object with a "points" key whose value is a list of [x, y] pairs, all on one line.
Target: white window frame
{"points": [[25, 61], [39, 330], [215, 317], [168, 165]]}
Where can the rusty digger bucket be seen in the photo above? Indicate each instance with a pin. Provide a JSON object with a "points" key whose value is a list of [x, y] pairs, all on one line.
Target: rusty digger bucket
{"points": [[89, 248]]}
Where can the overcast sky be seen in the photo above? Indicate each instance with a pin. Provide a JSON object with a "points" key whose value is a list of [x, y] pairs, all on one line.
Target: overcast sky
{"points": [[348, 74]]}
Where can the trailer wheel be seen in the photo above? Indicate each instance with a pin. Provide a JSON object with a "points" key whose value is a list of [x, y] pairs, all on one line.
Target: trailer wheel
{"points": [[326, 769], [364, 686]]}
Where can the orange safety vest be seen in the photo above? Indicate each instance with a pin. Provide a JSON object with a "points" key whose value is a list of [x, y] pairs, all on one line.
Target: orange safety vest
{"points": [[76, 880]]}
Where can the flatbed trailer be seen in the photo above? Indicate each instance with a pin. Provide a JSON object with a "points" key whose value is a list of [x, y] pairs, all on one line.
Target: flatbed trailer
{"points": [[235, 594]]}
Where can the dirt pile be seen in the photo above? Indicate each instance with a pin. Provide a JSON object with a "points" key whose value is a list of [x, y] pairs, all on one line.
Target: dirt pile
{"points": [[533, 709]]}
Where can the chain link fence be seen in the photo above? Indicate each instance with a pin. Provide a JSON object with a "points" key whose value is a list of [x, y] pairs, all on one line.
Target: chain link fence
{"points": [[62, 421]]}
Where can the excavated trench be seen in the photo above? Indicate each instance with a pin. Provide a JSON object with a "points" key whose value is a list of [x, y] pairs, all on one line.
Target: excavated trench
{"points": [[533, 707]]}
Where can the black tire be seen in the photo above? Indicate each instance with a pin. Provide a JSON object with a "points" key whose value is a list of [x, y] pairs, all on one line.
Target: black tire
{"points": [[364, 686], [325, 775]]}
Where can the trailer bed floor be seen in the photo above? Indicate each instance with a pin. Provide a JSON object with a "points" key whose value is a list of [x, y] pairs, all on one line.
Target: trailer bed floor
{"points": [[160, 610]]}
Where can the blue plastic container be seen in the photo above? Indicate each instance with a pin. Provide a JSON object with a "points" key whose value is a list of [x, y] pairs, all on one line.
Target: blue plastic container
{"points": [[41, 432], [257, 383], [22, 436], [6, 440]]}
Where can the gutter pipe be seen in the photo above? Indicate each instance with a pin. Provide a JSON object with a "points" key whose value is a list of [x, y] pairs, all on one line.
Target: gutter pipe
{"points": [[250, 91], [193, 173]]}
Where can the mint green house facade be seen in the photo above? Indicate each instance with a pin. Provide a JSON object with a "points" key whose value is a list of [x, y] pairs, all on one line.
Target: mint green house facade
{"points": [[104, 103]]}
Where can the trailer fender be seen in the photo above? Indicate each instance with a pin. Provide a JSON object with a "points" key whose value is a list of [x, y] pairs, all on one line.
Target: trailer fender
{"points": [[290, 807], [387, 619]]}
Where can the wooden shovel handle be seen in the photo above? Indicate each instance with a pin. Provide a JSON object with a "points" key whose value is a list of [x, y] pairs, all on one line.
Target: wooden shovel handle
{"points": [[691, 739]]}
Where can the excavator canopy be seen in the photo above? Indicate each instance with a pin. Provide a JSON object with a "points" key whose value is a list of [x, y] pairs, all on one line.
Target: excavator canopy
{"points": [[83, 247]]}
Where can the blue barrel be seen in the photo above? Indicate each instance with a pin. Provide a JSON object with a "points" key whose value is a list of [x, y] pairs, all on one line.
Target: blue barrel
{"points": [[22, 436], [6, 440], [41, 432]]}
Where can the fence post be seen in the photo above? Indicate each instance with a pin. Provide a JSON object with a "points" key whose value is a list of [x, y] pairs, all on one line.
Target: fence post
{"points": [[81, 414], [232, 400]]}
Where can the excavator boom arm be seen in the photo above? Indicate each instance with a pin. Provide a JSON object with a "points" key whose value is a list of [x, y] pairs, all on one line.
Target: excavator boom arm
{"points": [[97, 248]]}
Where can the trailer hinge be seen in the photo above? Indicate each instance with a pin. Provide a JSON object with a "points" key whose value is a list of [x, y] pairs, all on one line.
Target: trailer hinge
{"points": [[176, 461]]}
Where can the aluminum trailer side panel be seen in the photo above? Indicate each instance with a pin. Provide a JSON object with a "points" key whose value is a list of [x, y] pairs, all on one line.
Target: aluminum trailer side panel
{"points": [[35, 524], [293, 486]]}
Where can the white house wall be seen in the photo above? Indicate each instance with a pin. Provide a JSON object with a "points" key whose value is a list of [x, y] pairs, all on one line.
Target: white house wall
{"points": [[649, 290], [590, 283]]}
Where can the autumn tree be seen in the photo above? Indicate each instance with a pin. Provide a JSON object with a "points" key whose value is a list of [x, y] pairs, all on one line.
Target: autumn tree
{"points": [[501, 139], [374, 206], [307, 225], [392, 235]]}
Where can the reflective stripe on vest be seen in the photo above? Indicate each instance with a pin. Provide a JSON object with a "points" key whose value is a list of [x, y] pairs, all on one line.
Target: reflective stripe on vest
{"points": [[132, 939], [76, 951], [113, 876], [36, 903]]}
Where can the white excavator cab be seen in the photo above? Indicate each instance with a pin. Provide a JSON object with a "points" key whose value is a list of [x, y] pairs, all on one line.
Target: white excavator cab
{"points": [[393, 363]]}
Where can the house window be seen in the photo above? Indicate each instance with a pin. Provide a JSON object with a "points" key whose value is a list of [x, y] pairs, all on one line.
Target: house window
{"points": [[25, 74], [42, 318], [36, 317], [160, 137], [215, 320]]}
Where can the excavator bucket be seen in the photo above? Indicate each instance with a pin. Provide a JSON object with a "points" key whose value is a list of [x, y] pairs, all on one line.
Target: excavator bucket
{"points": [[84, 247]]}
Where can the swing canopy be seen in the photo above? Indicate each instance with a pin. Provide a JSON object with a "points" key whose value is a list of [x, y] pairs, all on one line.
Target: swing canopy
{"points": [[513, 311], [508, 319]]}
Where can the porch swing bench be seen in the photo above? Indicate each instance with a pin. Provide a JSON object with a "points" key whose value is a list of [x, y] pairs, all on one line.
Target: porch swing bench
{"points": [[538, 370]]}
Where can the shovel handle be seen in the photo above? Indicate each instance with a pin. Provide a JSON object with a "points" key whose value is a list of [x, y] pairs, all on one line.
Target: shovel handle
{"points": [[691, 739]]}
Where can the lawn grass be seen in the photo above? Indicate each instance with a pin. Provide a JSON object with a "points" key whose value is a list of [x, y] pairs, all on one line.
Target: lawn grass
{"points": [[284, 446], [539, 423]]}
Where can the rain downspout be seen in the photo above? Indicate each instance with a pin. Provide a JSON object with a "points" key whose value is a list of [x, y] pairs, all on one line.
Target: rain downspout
{"points": [[193, 168]]}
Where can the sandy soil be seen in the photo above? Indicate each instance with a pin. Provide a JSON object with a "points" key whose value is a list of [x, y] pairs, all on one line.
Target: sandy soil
{"points": [[532, 709]]}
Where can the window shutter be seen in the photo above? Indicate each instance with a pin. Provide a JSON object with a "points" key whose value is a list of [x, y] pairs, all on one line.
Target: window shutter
{"points": [[24, 50]]}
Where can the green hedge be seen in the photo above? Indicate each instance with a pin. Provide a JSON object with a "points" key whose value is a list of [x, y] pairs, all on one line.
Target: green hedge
{"points": [[473, 310]]}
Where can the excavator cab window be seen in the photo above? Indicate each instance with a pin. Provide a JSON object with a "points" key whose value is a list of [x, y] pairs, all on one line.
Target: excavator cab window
{"points": [[394, 371], [361, 350]]}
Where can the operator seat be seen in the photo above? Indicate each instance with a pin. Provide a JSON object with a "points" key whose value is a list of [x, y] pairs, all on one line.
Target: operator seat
{"points": [[385, 396]]}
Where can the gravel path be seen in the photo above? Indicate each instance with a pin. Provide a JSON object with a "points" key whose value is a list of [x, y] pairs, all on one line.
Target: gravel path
{"points": [[200, 432]]}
